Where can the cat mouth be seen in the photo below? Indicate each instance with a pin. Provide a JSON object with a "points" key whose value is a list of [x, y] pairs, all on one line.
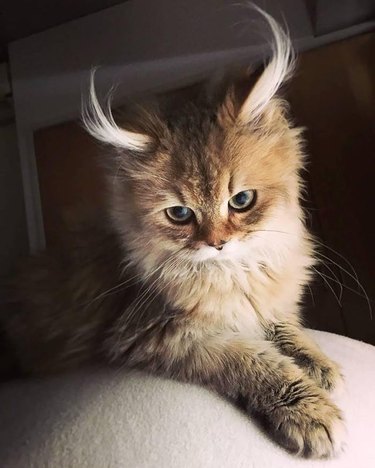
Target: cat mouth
{"points": [[207, 254]]}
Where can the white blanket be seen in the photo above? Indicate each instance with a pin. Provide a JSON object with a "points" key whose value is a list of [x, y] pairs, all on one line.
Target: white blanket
{"points": [[107, 419]]}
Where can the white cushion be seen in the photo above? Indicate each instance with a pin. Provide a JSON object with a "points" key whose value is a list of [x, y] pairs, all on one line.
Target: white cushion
{"points": [[107, 419]]}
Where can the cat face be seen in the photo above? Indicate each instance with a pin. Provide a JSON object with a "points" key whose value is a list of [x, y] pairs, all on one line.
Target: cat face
{"points": [[208, 179], [211, 189]]}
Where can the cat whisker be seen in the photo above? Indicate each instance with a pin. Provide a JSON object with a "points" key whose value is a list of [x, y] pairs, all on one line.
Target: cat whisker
{"points": [[146, 297], [311, 294], [344, 286], [355, 279], [324, 278], [149, 300], [335, 277], [119, 287], [338, 254], [161, 266], [272, 230], [319, 255]]}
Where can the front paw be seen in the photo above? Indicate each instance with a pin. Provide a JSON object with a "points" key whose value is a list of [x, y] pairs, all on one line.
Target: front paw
{"points": [[306, 423], [325, 373]]}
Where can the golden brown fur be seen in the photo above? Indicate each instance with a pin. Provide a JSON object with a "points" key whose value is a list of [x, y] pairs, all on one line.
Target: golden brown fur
{"points": [[142, 291]]}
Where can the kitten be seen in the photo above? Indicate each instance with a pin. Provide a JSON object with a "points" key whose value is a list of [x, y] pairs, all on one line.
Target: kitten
{"points": [[198, 269]]}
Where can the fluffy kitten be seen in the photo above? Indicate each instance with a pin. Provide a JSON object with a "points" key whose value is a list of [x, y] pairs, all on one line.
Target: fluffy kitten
{"points": [[197, 272]]}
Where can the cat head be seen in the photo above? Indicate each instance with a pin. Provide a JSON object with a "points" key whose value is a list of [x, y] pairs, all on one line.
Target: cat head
{"points": [[209, 174]]}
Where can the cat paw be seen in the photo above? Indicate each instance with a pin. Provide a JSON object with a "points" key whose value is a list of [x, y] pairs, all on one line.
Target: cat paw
{"points": [[311, 427], [327, 375]]}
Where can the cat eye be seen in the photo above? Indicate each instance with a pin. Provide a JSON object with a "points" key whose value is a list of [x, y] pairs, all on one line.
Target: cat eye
{"points": [[243, 201], [180, 214]]}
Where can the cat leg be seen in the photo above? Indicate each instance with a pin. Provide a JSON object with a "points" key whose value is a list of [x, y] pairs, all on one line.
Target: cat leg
{"points": [[293, 341], [295, 412]]}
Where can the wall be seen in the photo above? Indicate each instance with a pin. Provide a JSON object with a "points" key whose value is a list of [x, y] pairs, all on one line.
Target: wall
{"points": [[13, 233]]}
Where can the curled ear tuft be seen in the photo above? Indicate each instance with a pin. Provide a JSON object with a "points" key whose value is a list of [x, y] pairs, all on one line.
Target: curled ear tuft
{"points": [[277, 71], [102, 126]]}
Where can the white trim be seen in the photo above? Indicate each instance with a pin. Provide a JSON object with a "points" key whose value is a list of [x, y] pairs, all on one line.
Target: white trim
{"points": [[33, 207]]}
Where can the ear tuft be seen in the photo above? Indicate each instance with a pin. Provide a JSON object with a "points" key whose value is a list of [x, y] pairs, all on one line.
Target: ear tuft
{"points": [[102, 126], [274, 75]]}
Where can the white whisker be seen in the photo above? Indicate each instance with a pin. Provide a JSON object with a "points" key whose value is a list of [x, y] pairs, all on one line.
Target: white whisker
{"points": [[329, 286]]}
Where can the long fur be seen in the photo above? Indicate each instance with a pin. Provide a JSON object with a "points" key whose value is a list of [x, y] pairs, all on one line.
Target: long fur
{"points": [[102, 126], [278, 70], [140, 290]]}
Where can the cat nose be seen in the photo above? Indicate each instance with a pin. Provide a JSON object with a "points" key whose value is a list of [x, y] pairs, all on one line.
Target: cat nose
{"points": [[218, 245]]}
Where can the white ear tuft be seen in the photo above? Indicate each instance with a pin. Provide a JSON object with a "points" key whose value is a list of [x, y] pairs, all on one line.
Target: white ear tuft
{"points": [[276, 72], [102, 126]]}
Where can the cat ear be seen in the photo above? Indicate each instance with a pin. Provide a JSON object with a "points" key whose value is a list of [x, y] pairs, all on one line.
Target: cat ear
{"points": [[274, 75], [102, 126]]}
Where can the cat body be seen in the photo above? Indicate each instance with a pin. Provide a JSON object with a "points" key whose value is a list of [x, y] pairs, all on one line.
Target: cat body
{"points": [[197, 271]]}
